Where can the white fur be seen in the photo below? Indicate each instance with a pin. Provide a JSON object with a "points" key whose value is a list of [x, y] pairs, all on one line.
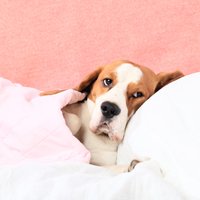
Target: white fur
{"points": [[103, 149], [126, 73]]}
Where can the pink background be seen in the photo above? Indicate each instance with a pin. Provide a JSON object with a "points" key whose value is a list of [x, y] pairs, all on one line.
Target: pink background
{"points": [[51, 44]]}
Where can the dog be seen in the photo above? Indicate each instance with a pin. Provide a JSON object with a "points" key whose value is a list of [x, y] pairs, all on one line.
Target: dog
{"points": [[114, 92]]}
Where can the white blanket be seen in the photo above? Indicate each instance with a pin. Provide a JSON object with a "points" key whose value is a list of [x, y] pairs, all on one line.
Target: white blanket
{"points": [[68, 181], [166, 129]]}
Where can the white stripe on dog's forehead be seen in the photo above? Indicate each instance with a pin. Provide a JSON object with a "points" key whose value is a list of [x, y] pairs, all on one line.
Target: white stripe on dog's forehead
{"points": [[128, 73]]}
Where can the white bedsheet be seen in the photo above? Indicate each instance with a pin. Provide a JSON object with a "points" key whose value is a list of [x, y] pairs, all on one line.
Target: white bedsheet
{"points": [[68, 181]]}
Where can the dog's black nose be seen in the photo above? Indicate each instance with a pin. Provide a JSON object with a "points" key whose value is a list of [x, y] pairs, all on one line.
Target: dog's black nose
{"points": [[109, 109]]}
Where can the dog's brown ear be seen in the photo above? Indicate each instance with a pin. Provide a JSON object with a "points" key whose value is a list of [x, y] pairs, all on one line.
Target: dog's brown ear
{"points": [[86, 84], [165, 78]]}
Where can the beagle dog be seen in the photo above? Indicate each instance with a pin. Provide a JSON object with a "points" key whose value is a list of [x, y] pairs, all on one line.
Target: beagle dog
{"points": [[114, 93]]}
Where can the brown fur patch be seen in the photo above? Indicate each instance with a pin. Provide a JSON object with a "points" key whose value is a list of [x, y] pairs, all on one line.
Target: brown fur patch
{"points": [[148, 85]]}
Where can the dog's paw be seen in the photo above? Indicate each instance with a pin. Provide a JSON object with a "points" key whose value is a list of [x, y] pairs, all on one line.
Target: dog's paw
{"points": [[132, 165]]}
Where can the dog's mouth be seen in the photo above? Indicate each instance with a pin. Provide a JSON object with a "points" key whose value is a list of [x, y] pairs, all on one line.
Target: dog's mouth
{"points": [[104, 128]]}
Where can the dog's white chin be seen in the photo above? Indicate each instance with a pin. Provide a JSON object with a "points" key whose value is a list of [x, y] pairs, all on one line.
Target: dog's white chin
{"points": [[100, 128], [105, 128]]}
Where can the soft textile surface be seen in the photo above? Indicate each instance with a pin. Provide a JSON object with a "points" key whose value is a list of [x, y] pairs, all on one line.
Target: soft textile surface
{"points": [[164, 132], [167, 130], [52, 43], [67, 181], [33, 128]]}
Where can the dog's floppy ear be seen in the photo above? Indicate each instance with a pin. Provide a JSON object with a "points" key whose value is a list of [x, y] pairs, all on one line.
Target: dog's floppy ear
{"points": [[86, 85], [165, 78]]}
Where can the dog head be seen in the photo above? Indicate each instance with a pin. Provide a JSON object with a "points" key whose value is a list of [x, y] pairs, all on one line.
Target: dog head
{"points": [[116, 91]]}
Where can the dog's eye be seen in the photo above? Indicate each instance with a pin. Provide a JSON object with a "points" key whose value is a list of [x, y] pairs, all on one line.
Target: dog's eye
{"points": [[107, 82], [137, 95]]}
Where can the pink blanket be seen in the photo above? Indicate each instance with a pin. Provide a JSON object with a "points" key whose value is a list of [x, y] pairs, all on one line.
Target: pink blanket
{"points": [[32, 126]]}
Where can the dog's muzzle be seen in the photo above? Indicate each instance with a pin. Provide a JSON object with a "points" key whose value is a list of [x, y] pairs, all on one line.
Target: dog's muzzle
{"points": [[105, 120], [109, 109]]}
